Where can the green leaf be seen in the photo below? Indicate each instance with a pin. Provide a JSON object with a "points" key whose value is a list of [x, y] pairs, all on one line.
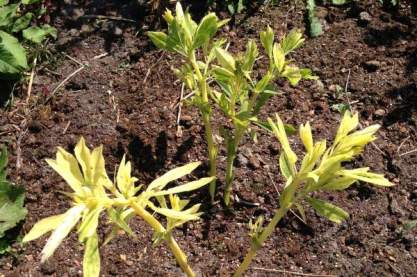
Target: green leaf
{"points": [[279, 57], [315, 27], [91, 260], [186, 187], [293, 74], [119, 219], [292, 41], [28, 2], [341, 183], [38, 34], [7, 14], [4, 2], [284, 167], [339, 2], [341, 108], [250, 56], [11, 206], [173, 214], [159, 39], [22, 22], [225, 59], [301, 211], [172, 175], [72, 216], [267, 40], [328, 210], [363, 175], [44, 226], [3, 163], [314, 23], [89, 224], [206, 30], [12, 56]]}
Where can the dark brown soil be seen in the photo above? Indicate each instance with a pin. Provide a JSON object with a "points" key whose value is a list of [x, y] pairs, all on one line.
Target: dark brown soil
{"points": [[125, 100]]}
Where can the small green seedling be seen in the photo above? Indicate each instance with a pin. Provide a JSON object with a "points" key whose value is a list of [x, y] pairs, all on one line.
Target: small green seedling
{"points": [[322, 169], [189, 39], [93, 193], [242, 96]]}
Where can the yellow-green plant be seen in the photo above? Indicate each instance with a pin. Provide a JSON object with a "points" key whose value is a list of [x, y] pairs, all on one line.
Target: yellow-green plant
{"points": [[321, 169], [190, 40], [242, 96], [93, 193]]}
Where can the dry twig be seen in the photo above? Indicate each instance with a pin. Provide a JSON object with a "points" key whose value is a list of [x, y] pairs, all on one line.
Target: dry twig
{"points": [[32, 75], [292, 272]]}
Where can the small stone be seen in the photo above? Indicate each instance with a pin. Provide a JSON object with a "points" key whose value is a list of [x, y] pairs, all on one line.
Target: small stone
{"points": [[63, 41], [365, 17], [321, 12], [74, 32], [117, 31], [372, 65], [86, 28], [379, 112], [77, 13]]}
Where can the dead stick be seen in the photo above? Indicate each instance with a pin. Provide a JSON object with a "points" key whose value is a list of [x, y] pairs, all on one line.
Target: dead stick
{"points": [[292, 272], [179, 112], [32, 75], [409, 152], [63, 82], [104, 17]]}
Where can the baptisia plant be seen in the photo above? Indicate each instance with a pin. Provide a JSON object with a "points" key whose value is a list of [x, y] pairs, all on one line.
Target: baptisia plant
{"points": [[321, 169], [235, 90], [189, 39], [242, 95], [94, 193]]}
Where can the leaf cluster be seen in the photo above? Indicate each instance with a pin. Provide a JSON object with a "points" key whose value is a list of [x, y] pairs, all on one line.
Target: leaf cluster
{"points": [[92, 193], [323, 168], [15, 23]]}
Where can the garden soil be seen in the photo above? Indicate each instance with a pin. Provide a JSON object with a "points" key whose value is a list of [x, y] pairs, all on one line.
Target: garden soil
{"points": [[125, 97]]}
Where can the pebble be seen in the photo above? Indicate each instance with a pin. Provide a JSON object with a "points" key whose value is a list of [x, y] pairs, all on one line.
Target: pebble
{"points": [[365, 17], [86, 28], [379, 112], [77, 13], [117, 31]]}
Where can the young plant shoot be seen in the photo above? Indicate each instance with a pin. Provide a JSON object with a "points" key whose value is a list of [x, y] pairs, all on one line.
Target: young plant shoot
{"points": [[320, 170], [242, 97], [189, 39], [93, 193]]}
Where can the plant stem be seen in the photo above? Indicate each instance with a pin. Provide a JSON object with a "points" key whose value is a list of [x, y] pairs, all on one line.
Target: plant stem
{"points": [[231, 156], [261, 239], [173, 245], [206, 114]]}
